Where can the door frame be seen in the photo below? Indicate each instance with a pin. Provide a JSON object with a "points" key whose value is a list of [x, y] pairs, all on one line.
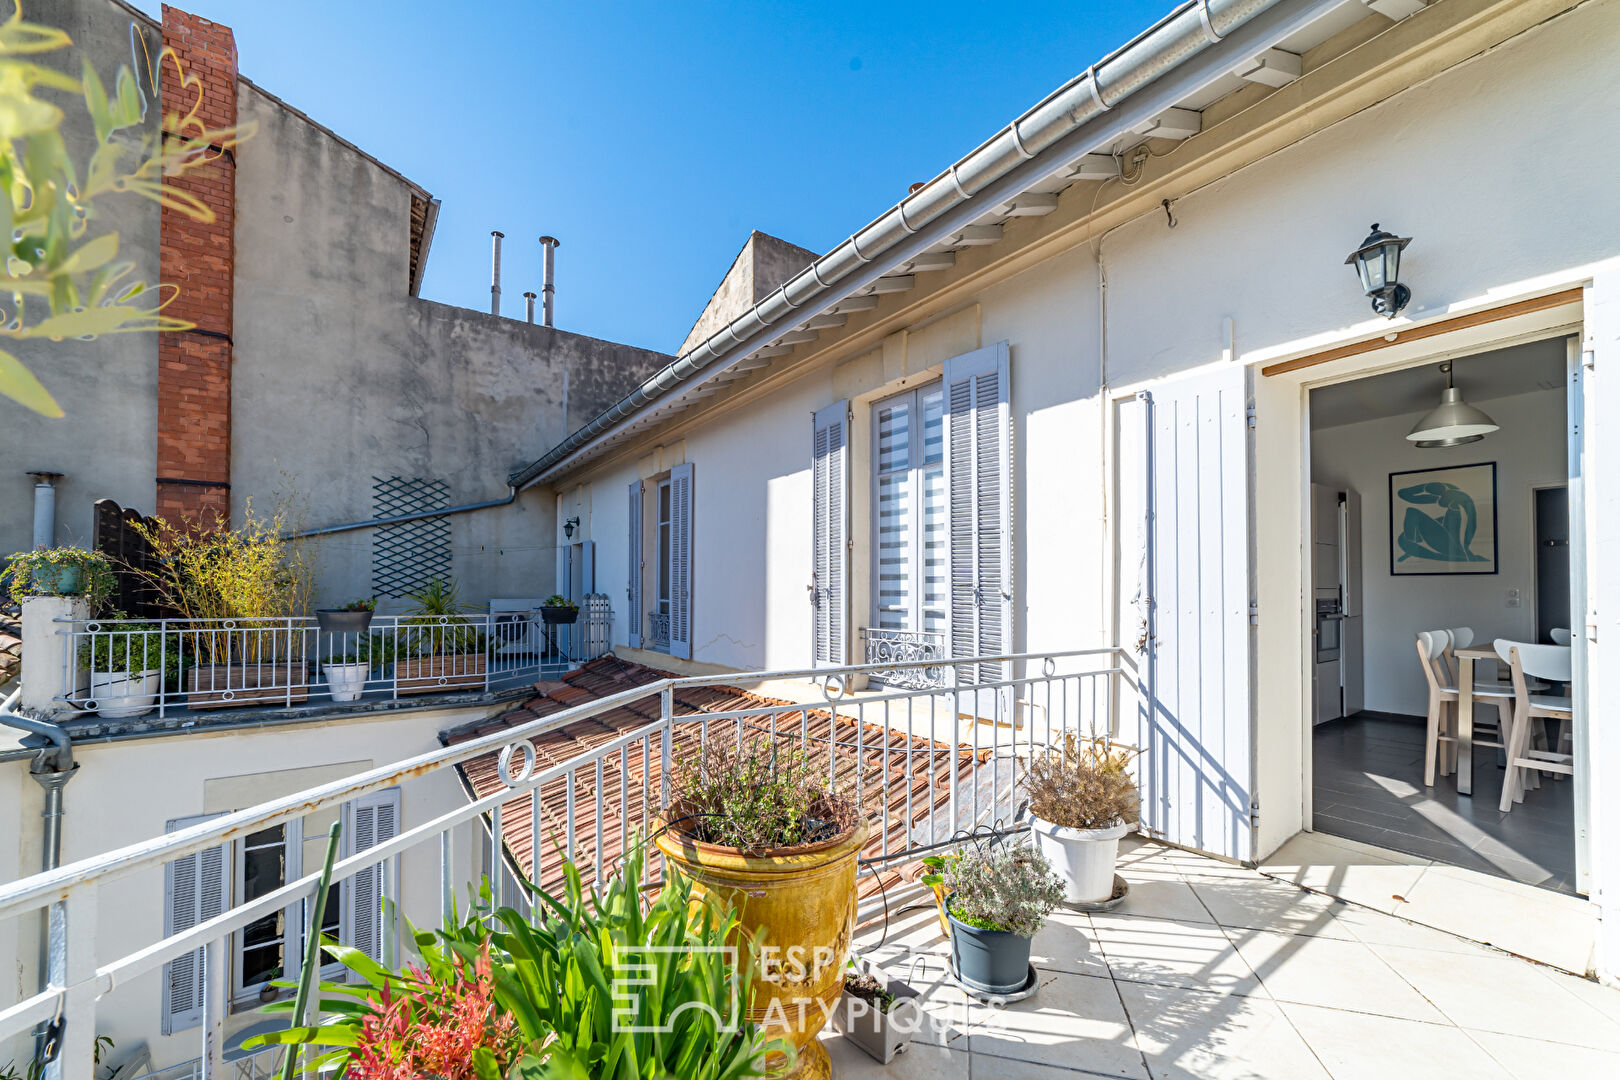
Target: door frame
{"points": [[1510, 326], [1535, 576]]}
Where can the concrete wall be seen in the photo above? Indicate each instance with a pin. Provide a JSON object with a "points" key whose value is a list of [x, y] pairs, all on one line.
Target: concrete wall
{"points": [[106, 445], [762, 265], [1529, 452]]}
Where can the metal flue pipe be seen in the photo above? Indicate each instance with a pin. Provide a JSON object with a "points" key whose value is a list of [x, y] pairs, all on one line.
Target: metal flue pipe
{"points": [[495, 273], [548, 283], [45, 508], [528, 306]]}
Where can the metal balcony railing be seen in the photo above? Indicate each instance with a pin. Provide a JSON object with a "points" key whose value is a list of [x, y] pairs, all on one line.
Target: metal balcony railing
{"points": [[658, 629], [927, 763], [907, 646], [132, 667]]}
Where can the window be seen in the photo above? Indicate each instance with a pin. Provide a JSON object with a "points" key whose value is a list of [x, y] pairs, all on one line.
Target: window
{"points": [[910, 592], [201, 886], [661, 595], [661, 563]]}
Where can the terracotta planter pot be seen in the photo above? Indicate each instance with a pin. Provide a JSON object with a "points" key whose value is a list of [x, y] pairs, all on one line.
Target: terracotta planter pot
{"points": [[802, 904], [439, 674], [225, 686]]}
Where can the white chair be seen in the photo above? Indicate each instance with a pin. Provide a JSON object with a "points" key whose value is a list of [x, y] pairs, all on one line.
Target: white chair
{"points": [[1524, 759], [1433, 646], [1560, 635]]}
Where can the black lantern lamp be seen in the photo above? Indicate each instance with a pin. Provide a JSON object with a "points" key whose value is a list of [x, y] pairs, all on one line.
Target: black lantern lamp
{"points": [[1378, 264], [569, 526]]}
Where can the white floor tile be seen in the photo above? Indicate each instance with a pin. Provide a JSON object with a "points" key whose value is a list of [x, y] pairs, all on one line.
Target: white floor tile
{"points": [[850, 1062], [1330, 972], [1360, 1046], [1168, 953], [1072, 1020], [1259, 903], [1066, 943], [1192, 1035], [1546, 926], [1533, 1059]]}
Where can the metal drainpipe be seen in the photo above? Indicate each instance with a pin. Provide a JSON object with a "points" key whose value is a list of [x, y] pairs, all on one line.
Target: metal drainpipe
{"points": [[548, 282], [495, 274], [53, 767], [350, 526], [45, 508]]}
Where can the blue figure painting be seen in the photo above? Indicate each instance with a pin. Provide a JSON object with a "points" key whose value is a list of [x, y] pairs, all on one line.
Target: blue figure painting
{"points": [[1438, 524]]}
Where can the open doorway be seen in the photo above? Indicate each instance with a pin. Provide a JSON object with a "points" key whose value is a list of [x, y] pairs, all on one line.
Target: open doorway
{"points": [[1446, 544]]}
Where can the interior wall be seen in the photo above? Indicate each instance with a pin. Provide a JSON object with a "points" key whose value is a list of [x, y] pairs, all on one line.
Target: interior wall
{"points": [[1529, 451]]}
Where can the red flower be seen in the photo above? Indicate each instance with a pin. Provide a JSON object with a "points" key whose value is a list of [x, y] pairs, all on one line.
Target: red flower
{"points": [[432, 1029]]}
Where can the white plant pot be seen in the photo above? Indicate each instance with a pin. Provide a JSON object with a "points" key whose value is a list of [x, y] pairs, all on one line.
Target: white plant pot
{"points": [[119, 694], [346, 681], [1084, 858]]}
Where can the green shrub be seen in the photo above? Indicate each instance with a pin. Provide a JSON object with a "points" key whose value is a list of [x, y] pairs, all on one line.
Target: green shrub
{"points": [[61, 571], [437, 624], [760, 796]]}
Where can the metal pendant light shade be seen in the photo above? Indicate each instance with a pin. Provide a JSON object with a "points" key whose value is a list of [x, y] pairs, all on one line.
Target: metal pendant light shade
{"points": [[1451, 423]]}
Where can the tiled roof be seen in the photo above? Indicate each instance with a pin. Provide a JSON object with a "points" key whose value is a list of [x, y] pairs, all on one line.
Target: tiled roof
{"points": [[625, 812]]}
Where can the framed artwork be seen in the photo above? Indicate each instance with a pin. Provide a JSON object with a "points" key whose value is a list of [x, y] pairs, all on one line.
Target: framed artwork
{"points": [[1443, 521]]}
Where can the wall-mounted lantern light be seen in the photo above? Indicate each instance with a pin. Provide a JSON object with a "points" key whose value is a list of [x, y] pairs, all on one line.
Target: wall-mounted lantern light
{"points": [[1378, 264], [569, 526]]}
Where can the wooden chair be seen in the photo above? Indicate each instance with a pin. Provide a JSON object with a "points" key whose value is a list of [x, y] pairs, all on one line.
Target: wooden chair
{"points": [[1524, 759], [1440, 737]]}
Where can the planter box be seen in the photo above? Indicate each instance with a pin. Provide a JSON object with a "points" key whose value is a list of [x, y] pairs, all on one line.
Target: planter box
{"points": [[332, 621], [558, 616], [224, 686], [438, 674], [882, 1035]]}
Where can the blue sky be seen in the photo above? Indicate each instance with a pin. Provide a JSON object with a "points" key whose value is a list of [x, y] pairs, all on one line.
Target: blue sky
{"points": [[651, 137]]}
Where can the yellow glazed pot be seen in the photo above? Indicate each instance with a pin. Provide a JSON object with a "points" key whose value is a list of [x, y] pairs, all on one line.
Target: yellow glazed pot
{"points": [[800, 908]]}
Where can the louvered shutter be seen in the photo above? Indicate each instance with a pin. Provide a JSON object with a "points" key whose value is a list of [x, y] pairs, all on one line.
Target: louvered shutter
{"points": [[978, 480], [371, 819], [633, 590], [680, 561], [829, 468], [196, 888], [587, 571]]}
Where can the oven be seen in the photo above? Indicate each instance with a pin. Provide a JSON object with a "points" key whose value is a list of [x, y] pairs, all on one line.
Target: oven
{"points": [[1329, 624]]}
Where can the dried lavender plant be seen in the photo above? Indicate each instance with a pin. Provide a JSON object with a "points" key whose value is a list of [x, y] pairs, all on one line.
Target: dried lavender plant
{"points": [[759, 796], [1083, 784]]}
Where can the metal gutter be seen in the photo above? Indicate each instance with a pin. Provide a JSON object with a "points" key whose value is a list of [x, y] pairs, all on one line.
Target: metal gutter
{"points": [[373, 523], [1191, 47]]}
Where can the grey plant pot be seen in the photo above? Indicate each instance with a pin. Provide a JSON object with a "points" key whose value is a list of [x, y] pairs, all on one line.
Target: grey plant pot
{"points": [[989, 961], [881, 1034], [333, 621]]}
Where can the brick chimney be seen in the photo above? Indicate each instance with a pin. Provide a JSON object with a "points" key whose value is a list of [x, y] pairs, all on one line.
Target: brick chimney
{"points": [[194, 367]]}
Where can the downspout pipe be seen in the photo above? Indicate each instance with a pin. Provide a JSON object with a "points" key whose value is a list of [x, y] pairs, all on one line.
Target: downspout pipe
{"points": [[52, 768], [1191, 47], [377, 523]]}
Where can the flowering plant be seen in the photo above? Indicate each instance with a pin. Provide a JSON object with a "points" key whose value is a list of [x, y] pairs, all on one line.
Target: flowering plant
{"points": [[1003, 887], [61, 571]]}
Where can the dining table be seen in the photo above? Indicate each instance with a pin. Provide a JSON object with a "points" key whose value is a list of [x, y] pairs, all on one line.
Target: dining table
{"points": [[1465, 712]]}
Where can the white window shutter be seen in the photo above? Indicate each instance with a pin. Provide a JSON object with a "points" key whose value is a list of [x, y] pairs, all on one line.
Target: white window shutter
{"points": [[195, 888], [829, 468], [368, 821], [564, 573], [978, 481], [587, 570], [634, 614], [680, 561]]}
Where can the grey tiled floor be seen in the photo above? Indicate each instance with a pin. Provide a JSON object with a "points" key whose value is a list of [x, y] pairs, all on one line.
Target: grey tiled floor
{"points": [[1368, 786], [1209, 971]]}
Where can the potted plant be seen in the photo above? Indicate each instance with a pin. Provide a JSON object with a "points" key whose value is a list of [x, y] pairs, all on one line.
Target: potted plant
{"points": [[242, 589], [1082, 800], [755, 825], [125, 658], [877, 1014], [353, 617], [438, 648], [996, 898], [347, 671], [559, 610], [62, 571]]}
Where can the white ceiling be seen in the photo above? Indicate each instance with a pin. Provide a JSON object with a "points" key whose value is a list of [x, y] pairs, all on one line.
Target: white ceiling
{"points": [[1518, 369]]}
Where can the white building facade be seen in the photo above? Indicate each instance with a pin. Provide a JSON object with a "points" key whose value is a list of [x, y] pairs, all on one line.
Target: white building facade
{"points": [[1084, 418]]}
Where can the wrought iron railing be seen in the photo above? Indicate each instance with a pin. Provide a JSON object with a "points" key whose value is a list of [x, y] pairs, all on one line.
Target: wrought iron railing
{"points": [[928, 763], [128, 668], [658, 629], [908, 647]]}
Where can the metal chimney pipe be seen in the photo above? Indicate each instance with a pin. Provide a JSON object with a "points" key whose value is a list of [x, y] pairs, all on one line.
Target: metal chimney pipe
{"points": [[528, 304], [548, 287], [495, 274], [45, 508]]}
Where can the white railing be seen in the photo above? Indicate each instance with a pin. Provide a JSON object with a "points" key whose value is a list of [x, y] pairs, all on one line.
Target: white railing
{"points": [[907, 646], [929, 765], [123, 668]]}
